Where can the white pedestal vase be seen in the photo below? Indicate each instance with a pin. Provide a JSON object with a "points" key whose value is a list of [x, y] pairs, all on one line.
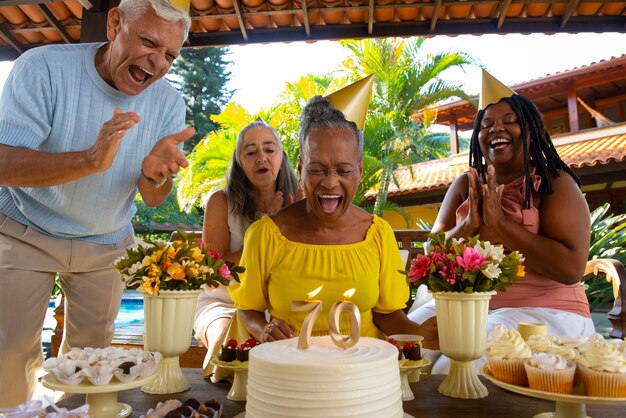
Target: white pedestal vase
{"points": [[462, 327], [168, 327]]}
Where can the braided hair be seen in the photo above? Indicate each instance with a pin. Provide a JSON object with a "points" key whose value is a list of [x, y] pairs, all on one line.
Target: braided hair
{"points": [[542, 152], [319, 113]]}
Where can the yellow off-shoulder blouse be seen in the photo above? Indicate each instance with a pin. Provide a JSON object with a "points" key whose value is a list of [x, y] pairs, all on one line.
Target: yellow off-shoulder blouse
{"points": [[279, 271]]}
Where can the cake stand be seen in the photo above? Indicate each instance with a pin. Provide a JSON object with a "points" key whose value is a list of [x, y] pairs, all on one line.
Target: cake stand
{"points": [[102, 399], [406, 367], [238, 391], [567, 406]]}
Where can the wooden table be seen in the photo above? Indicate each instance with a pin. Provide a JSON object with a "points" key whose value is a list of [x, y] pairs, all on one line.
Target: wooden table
{"points": [[427, 403]]}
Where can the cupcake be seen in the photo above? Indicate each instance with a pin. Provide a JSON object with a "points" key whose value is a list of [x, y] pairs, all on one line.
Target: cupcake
{"points": [[243, 351], [411, 351], [550, 373], [506, 357], [229, 351], [551, 345], [603, 369]]}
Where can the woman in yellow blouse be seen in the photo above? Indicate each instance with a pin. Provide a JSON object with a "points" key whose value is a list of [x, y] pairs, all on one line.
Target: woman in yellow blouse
{"points": [[324, 240]]}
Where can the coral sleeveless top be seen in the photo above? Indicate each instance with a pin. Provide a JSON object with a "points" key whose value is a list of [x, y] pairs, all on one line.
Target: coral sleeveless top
{"points": [[534, 289]]}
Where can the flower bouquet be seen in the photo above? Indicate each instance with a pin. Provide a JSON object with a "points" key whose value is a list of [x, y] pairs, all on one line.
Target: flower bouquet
{"points": [[183, 264], [457, 265], [170, 275], [463, 276]]}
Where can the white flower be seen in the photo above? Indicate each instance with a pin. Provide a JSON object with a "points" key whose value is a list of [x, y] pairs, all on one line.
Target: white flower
{"points": [[492, 271], [494, 252], [206, 269], [457, 241], [133, 269]]}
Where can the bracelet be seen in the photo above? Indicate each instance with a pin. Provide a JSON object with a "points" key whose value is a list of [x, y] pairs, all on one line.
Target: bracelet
{"points": [[153, 183]]}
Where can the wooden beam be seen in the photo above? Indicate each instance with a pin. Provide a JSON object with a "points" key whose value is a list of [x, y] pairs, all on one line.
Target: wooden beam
{"points": [[454, 135], [370, 17], [55, 23], [305, 18], [572, 108], [242, 22], [86, 4], [504, 7], [433, 20], [415, 28], [571, 8], [6, 34]]}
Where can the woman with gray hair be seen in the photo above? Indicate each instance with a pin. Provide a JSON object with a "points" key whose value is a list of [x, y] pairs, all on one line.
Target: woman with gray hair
{"points": [[326, 240], [260, 181]]}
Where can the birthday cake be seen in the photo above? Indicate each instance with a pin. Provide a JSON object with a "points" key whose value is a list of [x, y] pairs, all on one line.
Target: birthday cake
{"points": [[324, 380]]}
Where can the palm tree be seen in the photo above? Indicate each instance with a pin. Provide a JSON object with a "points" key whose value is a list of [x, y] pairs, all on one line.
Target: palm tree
{"points": [[407, 80], [209, 159]]}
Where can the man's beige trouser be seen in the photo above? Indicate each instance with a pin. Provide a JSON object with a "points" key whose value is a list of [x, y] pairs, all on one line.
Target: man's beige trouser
{"points": [[92, 288]]}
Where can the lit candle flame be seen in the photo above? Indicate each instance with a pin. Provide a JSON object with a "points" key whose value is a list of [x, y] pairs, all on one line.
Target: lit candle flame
{"points": [[312, 293], [348, 294]]}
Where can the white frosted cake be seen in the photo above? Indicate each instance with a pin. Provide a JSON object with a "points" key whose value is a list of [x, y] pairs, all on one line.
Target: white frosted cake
{"points": [[324, 380]]}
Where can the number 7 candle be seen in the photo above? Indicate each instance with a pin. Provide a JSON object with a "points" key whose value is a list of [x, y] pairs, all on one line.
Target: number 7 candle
{"points": [[314, 307]]}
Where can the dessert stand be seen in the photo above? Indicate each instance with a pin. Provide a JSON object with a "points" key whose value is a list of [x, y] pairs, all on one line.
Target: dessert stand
{"points": [[238, 391], [406, 368], [567, 406], [102, 399]]}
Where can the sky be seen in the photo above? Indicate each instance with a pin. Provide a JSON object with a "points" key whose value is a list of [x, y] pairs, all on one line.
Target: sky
{"points": [[259, 72]]}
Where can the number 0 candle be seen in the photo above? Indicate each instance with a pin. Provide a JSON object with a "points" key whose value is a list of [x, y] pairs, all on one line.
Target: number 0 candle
{"points": [[314, 307], [345, 341]]}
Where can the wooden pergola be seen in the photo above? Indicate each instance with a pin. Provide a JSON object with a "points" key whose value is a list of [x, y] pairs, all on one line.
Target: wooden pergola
{"points": [[28, 23]]}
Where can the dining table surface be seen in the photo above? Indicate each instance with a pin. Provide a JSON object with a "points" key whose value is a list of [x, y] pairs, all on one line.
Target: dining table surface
{"points": [[428, 401]]}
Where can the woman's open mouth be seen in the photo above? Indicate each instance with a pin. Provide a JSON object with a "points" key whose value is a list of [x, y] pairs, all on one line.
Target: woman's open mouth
{"points": [[329, 202]]}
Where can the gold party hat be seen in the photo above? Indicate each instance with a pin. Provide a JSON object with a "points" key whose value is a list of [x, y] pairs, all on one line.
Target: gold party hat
{"points": [[354, 99], [181, 4], [492, 91]]}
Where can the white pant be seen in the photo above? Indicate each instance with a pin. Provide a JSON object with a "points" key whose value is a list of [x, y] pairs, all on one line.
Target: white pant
{"points": [[92, 287], [560, 324]]}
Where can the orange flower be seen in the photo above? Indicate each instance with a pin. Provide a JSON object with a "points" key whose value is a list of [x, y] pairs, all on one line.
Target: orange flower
{"points": [[520, 271], [153, 270], [197, 255], [150, 285], [176, 272], [171, 252], [166, 263]]}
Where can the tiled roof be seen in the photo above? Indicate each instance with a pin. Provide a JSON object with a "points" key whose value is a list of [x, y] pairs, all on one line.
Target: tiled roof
{"points": [[588, 148], [27, 23]]}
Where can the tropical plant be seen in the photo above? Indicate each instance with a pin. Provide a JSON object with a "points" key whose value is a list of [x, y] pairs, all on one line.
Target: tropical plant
{"points": [[201, 75], [407, 80], [209, 160], [608, 240]]}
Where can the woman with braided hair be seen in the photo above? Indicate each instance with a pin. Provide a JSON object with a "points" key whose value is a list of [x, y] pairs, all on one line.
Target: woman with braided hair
{"points": [[519, 193]]}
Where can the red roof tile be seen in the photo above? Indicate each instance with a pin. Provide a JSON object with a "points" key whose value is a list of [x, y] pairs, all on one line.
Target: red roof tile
{"points": [[588, 148]]}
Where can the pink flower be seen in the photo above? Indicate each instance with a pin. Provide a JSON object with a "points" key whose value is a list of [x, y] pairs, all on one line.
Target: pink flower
{"points": [[419, 267], [214, 254], [224, 271], [447, 273], [471, 259]]}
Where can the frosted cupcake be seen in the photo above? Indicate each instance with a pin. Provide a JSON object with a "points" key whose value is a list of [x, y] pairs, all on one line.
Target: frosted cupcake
{"points": [[551, 345], [550, 373], [603, 369], [506, 357]]}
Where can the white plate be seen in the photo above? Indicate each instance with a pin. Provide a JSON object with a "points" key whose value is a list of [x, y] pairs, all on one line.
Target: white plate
{"points": [[559, 397], [243, 415], [50, 382]]}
